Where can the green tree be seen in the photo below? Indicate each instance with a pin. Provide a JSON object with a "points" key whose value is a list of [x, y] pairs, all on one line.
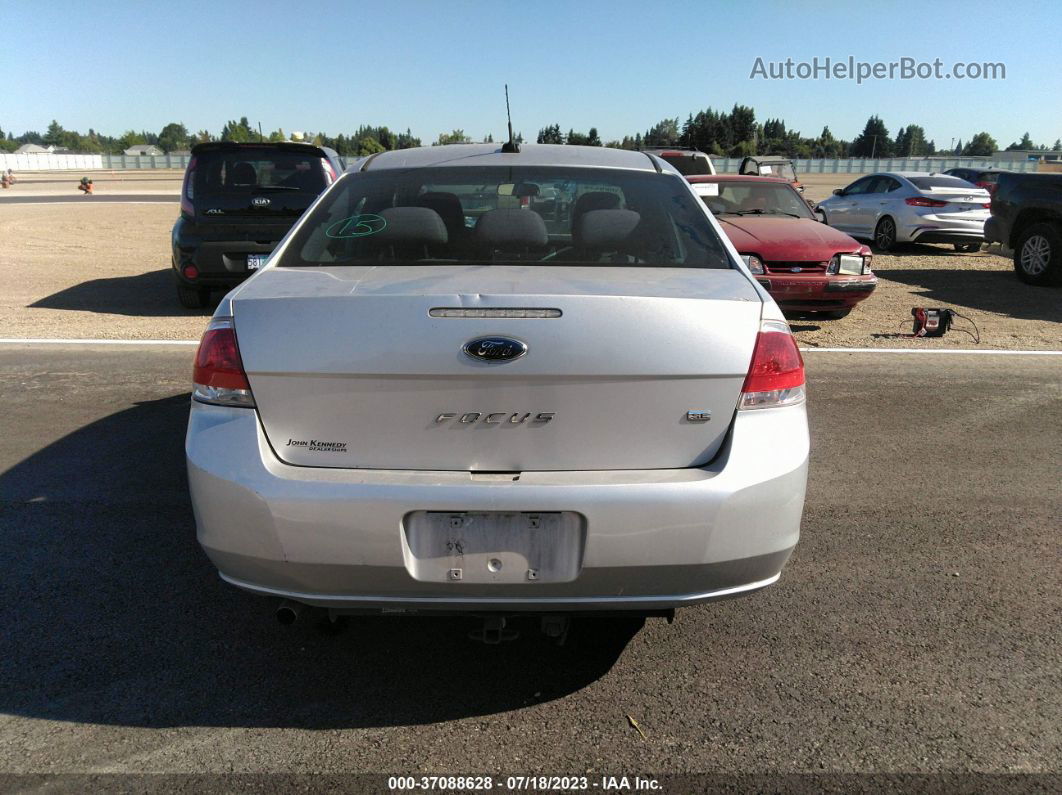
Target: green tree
{"points": [[910, 142], [663, 133], [874, 141], [550, 135], [173, 136], [54, 136], [1024, 144], [1056, 146], [369, 146], [238, 131], [131, 138], [454, 137], [981, 145]]}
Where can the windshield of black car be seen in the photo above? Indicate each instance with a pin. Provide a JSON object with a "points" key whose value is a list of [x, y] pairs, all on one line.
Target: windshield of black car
{"points": [[926, 183], [749, 197], [246, 171], [508, 215]]}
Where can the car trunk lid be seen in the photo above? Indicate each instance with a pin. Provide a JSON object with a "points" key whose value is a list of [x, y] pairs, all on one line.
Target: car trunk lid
{"points": [[361, 367]]}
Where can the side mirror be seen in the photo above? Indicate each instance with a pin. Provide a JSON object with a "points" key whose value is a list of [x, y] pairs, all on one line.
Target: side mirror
{"points": [[838, 191]]}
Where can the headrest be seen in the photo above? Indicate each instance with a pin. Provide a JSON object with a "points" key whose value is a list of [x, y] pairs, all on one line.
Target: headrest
{"points": [[243, 173], [595, 200], [511, 229], [412, 225], [447, 205], [605, 229]]}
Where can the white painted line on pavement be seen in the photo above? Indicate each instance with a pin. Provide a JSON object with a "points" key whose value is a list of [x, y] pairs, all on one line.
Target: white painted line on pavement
{"points": [[82, 203], [959, 351], [57, 341], [973, 351]]}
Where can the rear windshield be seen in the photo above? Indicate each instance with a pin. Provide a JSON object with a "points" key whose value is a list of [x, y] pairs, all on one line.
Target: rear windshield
{"points": [[509, 215], [257, 171], [688, 165], [926, 183], [785, 170], [752, 197]]}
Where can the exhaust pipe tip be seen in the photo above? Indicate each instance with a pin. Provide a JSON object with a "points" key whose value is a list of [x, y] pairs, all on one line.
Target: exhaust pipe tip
{"points": [[288, 613]]}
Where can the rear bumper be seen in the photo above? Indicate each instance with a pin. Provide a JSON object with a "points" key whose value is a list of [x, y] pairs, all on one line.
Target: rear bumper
{"points": [[995, 231], [941, 230], [818, 293], [221, 263], [654, 539]]}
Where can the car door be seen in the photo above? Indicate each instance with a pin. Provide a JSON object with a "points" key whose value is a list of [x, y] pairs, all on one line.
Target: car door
{"points": [[839, 210], [881, 199]]}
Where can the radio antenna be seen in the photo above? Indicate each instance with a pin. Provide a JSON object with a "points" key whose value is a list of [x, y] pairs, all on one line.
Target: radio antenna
{"points": [[510, 146]]}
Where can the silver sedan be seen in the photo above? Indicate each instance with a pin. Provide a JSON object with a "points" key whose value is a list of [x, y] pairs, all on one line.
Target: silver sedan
{"points": [[489, 381], [910, 207]]}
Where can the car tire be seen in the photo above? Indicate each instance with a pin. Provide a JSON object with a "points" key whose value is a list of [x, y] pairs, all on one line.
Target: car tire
{"points": [[885, 234], [193, 297], [967, 248], [1038, 255], [837, 314]]}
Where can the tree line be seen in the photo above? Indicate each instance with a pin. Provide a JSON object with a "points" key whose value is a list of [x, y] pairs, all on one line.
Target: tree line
{"points": [[737, 133], [733, 133]]}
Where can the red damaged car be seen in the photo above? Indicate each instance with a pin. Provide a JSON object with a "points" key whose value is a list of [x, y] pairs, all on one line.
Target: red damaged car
{"points": [[805, 265]]}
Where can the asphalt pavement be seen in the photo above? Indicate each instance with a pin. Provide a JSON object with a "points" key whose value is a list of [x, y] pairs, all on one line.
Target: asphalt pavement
{"points": [[915, 630]]}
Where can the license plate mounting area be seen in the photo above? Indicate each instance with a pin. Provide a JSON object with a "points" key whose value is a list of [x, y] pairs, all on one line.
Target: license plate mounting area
{"points": [[493, 547]]}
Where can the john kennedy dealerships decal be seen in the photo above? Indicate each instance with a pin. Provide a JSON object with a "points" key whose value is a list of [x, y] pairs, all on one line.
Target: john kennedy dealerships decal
{"points": [[315, 446]]}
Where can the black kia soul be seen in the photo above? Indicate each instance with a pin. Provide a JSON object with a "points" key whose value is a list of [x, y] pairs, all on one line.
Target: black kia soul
{"points": [[237, 202]]}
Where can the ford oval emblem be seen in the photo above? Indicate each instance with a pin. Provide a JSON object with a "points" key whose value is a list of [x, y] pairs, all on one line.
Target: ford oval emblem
{"points": [[494, 349]]}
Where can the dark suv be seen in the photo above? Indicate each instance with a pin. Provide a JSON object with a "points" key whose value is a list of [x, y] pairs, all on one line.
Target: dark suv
{"points": [[688, 162], [986, 178], [237, 202]]}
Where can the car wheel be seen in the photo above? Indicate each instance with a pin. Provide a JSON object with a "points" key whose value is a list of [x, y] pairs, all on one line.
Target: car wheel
{"points": [[885, 234], [193, 297], [837, 314], [967, 248], [1038, 255]]}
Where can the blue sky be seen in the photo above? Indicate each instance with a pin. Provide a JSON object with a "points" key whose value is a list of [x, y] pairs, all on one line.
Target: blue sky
{"points": [[433, 67]]}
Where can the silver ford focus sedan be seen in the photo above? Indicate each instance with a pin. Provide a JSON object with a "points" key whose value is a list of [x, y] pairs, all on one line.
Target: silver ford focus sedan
{"points": [[486, 381]]}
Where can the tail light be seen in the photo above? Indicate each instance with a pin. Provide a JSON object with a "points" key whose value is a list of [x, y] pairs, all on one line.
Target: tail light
{"points": [[921, 201], [188, 190], [987, 206], [776, 375], [330, 173], [219, 377]]}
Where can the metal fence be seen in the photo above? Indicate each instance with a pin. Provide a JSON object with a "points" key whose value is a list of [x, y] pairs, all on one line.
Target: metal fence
{"points": [[724, 165], [858, 165]]}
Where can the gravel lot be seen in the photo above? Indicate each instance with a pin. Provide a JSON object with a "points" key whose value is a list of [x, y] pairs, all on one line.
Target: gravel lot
{"points": [[102, 270]]}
